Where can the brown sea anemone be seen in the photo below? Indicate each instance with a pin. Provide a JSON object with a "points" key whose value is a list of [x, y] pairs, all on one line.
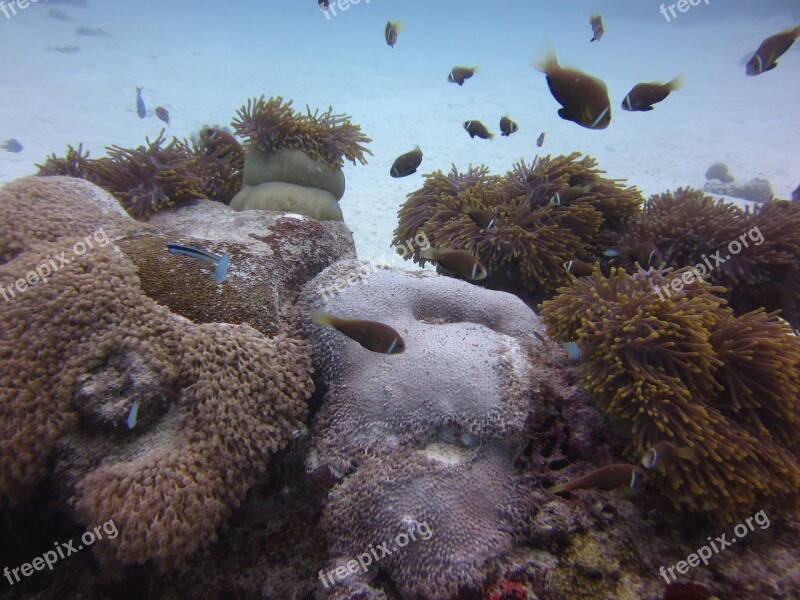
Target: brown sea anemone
{"points": [[220, 163], [685, 369], [75, 163], [271, 125], [533, 235]]}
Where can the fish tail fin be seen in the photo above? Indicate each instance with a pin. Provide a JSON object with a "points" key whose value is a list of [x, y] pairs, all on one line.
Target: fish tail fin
{"points": [[687, 453], [322, 318], [795, 32], [139, 89], [561, 487], [398, 25], [427, 254], [587, 188], [465, 208], [547, 61], [676, 83]]}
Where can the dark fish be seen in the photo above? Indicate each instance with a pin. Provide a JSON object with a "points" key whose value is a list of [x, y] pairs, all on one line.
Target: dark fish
{"points": [[64, 49], [597, 26], [770, 50], [644, 253], [87, 31], [540, 140], [476, 128], [584, 98], [372, 335], [391, 31], [12, 145], [568, 195], [644, 95], [459, 262], [482, 217], [222, 263], [323, 4], [605, 478], [407, 163], [58, 15], [460, 74], [507, 126], [140, 109], [579, 268], [664, 450], [162, 113]]}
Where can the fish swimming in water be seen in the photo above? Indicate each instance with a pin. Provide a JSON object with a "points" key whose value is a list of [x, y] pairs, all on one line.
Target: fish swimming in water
{"points": [[482, 217], [12, 145], [461, 262], [644, 95], [476, 128], [460, 74], [140, 109], [324, 4], [568, 195], [162, 113], [133, 415], [540, 140], [58, 15], [665, 450], [87, 31], [222, 263], [372, 335], [572, 350], [584, 98], [507, 126], [644, 253], [391, 31], [596, 22], [579, 268], [605, 478], [771, 49], [407, 163]]}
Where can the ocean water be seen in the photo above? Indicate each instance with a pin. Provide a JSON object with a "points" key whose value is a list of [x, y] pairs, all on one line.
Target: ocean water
{"points": [[202, 60]]}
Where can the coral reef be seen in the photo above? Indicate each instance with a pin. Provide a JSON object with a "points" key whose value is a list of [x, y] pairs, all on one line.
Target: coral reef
{"points": [[532, 235], [688, 228], [432, 446], [685, 369], [755, 190], [214, 400], [272, 125]]}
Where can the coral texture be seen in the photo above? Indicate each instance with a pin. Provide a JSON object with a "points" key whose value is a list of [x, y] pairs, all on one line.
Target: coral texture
{"points": [[431, 433], [214, 400], [532, 237], [685, 369]]}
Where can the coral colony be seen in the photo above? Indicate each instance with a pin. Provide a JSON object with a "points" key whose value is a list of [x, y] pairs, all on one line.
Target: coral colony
{"points": [[212, 422]]}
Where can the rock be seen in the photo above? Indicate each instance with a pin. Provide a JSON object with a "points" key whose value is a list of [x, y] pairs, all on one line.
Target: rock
{"points": [[757, 190], [288, 197], [719, 171]]}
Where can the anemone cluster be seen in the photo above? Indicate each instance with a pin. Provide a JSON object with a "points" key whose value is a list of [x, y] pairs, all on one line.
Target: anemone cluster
{"points": [[271, 125], [158, 174], [686, 369], [532, 235], [759, 248]]}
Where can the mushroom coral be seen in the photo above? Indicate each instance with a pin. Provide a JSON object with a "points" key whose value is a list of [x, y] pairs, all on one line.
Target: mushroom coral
{"points": [[687, 227], [685, 369], [531, 237], [273, 125]]}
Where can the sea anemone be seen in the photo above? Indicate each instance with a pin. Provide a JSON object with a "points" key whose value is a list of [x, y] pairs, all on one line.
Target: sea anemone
{"points": [[685, 369], [74, 164], [220, 163], [149, 178], [532, 237], [272, 125]]}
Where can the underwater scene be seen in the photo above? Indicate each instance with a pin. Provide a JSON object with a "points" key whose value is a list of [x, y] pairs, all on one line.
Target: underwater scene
{"points": [[383, 300]]}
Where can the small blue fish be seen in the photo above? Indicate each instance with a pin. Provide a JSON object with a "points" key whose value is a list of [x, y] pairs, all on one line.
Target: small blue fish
{"points": [[572, 350], [11, 145], [222, 263], [131, 422], [140, 109]]}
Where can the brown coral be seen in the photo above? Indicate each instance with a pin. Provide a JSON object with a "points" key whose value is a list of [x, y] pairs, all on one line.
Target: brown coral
{"points": [[215, 400], [684, 369], [272, 125]]}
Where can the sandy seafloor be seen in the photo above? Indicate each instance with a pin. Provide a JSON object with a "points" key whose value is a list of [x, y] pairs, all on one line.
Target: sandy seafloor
{"points": [[202, 60]]}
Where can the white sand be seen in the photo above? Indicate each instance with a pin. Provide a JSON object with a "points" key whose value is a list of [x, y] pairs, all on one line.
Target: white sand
{"points": [[202, 60]]}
